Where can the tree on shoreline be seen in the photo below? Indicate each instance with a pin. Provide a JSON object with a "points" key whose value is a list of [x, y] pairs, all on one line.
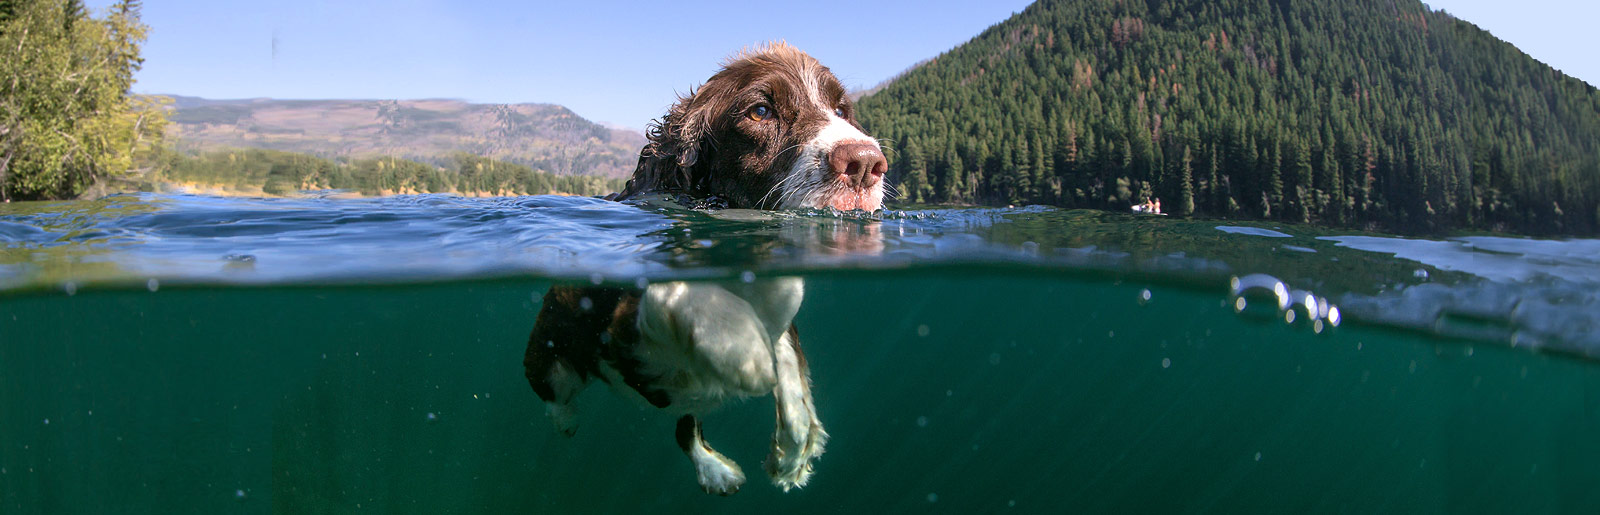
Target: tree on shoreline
{"points": [[67, 120]]}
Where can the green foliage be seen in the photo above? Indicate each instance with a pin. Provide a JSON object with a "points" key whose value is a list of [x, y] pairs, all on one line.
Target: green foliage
{"points": [[914, 174], [1361, 113], [276, 172], [66, 118]]}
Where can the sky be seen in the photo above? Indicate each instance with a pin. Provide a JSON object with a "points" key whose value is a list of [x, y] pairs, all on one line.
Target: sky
{"points": [[621, 63]]}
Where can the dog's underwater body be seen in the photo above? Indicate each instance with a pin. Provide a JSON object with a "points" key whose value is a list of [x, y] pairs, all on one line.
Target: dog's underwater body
{"points": [[774, 129]]}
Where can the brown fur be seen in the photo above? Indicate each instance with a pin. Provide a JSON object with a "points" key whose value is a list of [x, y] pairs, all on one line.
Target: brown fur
{"points": [[707, 145]]}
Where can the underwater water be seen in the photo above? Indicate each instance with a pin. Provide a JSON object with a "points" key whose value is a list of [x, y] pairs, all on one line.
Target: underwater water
{"points": [[189, 354]]}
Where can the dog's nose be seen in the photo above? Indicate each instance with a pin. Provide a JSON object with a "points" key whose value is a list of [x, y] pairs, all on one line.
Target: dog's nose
{"points": [[860, 162]]}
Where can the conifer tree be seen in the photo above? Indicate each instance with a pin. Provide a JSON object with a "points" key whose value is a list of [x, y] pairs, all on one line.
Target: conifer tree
{"points": [[1185, 205], [955, 175], [915, 185], [67, 119]]}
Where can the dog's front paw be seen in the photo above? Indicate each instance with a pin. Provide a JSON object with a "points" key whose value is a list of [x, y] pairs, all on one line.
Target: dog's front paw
{"points": [[564, 417], [718, 474], [793, 450]]}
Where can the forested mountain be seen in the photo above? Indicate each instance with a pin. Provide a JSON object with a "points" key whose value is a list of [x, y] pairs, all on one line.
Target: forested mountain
{"points": [[544, 137], [1360, 113]]}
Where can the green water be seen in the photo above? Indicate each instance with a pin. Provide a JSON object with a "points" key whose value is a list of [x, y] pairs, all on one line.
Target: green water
{"points": [[191, 354], [950, 389]]}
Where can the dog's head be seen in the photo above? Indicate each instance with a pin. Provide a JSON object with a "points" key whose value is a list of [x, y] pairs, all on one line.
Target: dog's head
{"points": [[774, 129]]}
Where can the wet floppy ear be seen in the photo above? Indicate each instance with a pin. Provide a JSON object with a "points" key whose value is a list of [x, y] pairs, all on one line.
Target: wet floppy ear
{"points": [[673, 148], [688, 123]]}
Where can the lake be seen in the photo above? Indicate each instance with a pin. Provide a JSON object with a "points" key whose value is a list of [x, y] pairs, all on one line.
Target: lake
{"points": [[194, 354]]}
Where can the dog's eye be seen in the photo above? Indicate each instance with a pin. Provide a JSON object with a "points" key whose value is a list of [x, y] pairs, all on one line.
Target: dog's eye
{"points": [[760, 113], [839, 111]]}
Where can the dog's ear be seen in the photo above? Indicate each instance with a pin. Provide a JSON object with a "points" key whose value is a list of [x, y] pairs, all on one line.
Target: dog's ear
{"points": [[666, 163]]}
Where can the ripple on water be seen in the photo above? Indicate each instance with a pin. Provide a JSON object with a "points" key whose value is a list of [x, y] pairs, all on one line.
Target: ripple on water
{"points": [[1528, 292], [1251, 231]]}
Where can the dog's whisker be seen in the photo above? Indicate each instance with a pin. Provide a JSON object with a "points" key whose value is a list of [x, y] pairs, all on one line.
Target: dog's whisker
{"points": [[777, 187], [780, 185]]}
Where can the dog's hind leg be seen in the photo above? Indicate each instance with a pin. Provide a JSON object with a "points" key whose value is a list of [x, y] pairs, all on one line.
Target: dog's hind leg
{"points": [[565, 347], [558, 387], [717, 474], [799, 438]]}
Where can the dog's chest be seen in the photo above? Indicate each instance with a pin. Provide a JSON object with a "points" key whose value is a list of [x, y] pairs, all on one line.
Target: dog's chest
{"points": [[700, 343]]}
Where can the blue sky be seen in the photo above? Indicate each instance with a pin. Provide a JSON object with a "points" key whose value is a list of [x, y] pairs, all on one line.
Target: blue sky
{"points": [[619, 62]]}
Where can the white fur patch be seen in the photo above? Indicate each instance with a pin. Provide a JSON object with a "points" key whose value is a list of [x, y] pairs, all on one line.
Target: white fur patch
{"points": [[810, 184], [811, 83], [563, 410], [717, 474], [799, 438], [707, 342], [564, 416], [838, 130]]}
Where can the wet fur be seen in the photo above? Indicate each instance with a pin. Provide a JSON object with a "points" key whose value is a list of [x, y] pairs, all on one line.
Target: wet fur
{"points": [[686, 347]]}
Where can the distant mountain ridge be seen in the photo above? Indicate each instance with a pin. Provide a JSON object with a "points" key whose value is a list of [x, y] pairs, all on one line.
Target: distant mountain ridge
{"points": [[545, 137]]}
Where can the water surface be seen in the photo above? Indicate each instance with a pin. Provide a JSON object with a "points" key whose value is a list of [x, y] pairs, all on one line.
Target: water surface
{"points": [[165, 354]]}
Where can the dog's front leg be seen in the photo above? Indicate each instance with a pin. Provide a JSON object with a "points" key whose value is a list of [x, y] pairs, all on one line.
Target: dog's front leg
{"points": [[717, 474], [799, 437]]}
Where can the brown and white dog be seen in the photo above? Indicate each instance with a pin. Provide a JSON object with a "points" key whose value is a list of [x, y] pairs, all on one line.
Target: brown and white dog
{"points": [[774, 129]]}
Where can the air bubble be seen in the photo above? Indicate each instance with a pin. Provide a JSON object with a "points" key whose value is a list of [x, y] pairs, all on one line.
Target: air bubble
{"points": [[1166, 362], [71, 288], [585, 304], [432, 417], [922, 330], [596, 278], [922, 421], [747, 276], [152, 284], [933, 497], [1239, 286]]}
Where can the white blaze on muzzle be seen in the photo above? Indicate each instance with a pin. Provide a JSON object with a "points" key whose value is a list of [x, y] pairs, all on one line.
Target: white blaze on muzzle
{"points": [[810, 182]]}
